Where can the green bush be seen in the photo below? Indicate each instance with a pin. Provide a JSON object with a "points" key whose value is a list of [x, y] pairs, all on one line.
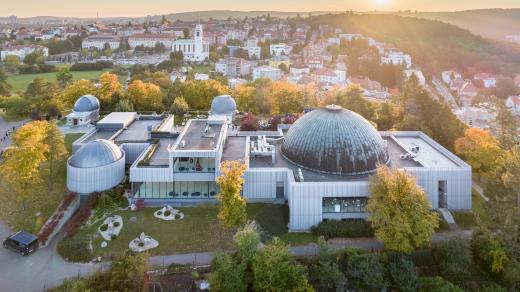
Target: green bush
{"points": [[75, 248], [104, 227], [455, 260], [113, 237], [350, 228], [116, 224], [167, 213], [429, 284]]}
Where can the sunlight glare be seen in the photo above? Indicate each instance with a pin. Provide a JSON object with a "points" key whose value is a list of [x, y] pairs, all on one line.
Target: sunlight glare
{"points": [[381, 2]]}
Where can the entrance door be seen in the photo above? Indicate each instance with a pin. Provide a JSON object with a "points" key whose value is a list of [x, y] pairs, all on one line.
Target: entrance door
{"points": [[443, 200], [75, 122], [280, 190]]}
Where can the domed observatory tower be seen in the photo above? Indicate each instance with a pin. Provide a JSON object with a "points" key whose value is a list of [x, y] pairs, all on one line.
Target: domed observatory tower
{"points": [[85, 111], [334, 140], [97, 166], [224, 105]]}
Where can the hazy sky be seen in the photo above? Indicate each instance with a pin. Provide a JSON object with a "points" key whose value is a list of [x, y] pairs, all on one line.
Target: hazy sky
{"points": [[107, 8]]}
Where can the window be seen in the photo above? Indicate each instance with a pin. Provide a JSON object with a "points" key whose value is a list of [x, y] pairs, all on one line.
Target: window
{"points": [[345, 205]]}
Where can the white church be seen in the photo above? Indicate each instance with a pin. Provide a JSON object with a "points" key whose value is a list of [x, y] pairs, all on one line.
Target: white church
{"points": [[195, 49]]}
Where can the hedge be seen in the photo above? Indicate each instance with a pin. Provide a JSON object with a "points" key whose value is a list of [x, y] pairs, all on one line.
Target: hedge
{"points": [[348, 228]]}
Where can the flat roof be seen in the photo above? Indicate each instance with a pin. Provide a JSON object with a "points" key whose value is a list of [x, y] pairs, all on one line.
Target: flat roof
{"points": [[117, 120], [139, 130], [427, 156], [235, 148], [100, 134], [195, 138], [161, 156], [394, 153]]}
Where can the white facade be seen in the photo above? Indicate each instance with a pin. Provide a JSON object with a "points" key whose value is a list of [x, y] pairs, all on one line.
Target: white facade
{"points": [[267, 72], [418, 74], [280, 49], [513, 103], [254, 52], [22, 51], [193, 50], [448, 76], [95, 179], [99, 42], [397, 58], [233, 67], [150, 40]]}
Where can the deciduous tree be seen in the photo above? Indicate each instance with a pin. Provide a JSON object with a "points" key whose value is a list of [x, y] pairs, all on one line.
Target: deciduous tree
{"points": [[179, 106], [128, 272], [71, 93], [109, 87], [145, 96], [400, 211], [56, 152], [200, 93], [64, 76], [481, 150], [232, 205]]}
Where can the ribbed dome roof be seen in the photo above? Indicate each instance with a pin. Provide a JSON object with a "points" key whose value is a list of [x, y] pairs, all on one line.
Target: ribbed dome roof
{"points": [[223, 105], [86, 103], [336, 141], [95, 154]]}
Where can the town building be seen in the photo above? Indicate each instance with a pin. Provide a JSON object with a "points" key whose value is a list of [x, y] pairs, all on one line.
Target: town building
{"points": [[396, 57], [280, 49], [21, 51], [267, 72], [489, 80], [99, 41], [418, 74], [233, 67], [321, 166], [448, 76], [149, 40], [84, 112], [193, 50], [513, 103]]}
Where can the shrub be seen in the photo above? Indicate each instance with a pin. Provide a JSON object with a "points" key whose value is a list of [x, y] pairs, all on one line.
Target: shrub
{"points": [[48, 228], [364, 271], [455, 260], [159, 213], [113, 237], [116, 224], [82, 215], [403, 273], [140, 244], [428, 284], [350, 228], [104, 227], [177, 216], [167, 213], [100, 65], [67, 200]]}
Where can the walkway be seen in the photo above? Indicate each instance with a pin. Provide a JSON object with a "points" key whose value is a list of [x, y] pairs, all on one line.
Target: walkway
{"points": [[7, 126], [479, 191]]}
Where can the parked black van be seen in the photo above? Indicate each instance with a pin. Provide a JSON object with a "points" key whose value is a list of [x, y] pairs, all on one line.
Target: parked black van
{"points": [[22, 242]]}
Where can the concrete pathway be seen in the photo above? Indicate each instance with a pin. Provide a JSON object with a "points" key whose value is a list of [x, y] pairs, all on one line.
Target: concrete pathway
{"points": [[446, 214], [479, 190], [8, 126]]}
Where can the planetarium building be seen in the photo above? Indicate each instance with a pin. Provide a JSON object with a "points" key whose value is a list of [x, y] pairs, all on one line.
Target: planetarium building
{"points": [[320, 165]]}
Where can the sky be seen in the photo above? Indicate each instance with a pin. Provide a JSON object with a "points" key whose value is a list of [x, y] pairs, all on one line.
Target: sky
{"points": [[134, 8]]}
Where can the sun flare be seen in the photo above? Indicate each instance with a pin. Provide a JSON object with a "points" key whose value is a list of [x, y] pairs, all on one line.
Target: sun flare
{"points": [[381, 2]]}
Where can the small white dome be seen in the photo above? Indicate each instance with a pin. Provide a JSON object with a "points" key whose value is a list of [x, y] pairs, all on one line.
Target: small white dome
{"points": [[86, 103], [223, 105]]}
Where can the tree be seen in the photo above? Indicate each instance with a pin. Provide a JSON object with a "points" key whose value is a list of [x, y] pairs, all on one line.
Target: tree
{"points": [[232, 205], [508, 125], [364, 271], [72, 92], [179, 106], [403, 273], [145, 96], [249, 123], [186, 33], [128, 272], [285, 98], [454, 260], [5, 87], [34, 58], [325, 275], [505, 87], [41, 94], [428, 284], [124, 105], [64, 76], [274, 269], [488, 250], [11, 63], [226, 274], [200, 93], [481, 150], [56, 151], [109, 87], [21, 163], [511, 175], [400, 211]]}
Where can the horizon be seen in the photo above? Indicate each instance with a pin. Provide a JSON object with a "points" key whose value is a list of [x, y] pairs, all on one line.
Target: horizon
{"points": [[134, 9]]}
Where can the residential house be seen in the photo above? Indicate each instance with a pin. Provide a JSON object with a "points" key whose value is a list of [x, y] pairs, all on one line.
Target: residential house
{"points": [[150, 40], [267, 72], [280, 49], [326, 75], [396, 57], [449, 75], [467, 93], [233, 67], [418, 74], [99, 41], [489, 80], [21, 51], [513, 103]]}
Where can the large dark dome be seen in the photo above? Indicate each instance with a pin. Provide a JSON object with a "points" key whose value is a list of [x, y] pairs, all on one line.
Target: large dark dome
{"points": [[336, 141]]}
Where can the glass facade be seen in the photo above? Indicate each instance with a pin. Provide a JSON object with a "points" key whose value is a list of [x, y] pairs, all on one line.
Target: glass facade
{"points": [[174, 190], [345, 205], [194, 164]]}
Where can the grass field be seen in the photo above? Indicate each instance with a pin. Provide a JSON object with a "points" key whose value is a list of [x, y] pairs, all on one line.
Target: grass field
{"points": [[199, 231], [20, 81], [40, 200]]}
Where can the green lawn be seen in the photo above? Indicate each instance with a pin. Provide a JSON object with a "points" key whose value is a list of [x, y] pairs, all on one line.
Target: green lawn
{"points": [[202, 68], [41, 200], [20, 81], [199, 231]]}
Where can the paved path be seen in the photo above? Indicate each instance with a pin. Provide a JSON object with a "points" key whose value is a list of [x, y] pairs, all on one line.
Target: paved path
{"points": [[7, 126], [479, 190]]}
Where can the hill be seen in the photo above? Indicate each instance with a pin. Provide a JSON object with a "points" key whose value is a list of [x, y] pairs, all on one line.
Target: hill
{"points": [[434, 45], [490, 23]]}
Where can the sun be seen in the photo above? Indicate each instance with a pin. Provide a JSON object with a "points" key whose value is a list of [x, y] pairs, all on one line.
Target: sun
{"points": [[381, 2]]}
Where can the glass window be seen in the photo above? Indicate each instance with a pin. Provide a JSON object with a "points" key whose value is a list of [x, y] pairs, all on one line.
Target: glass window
{"points": [[194, 164], [344, 205]]}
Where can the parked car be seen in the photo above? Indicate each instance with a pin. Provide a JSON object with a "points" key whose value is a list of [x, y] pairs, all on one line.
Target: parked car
{"points": [[22, 242]]}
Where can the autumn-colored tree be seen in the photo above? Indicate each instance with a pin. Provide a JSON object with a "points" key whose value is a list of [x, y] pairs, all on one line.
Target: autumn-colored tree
{"points": [[200, 93], [232, 205], [21, 165], [245, 98], [511, 175], [128, 272], [145, 96], [179, 106], [56, 151], [71, 93], [400, 211], [480, 149], [285, 98], [41, 94], [108, 87]]}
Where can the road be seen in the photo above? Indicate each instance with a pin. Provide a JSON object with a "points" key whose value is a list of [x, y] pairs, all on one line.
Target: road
{"points": [[7, 126], [445, 93]]}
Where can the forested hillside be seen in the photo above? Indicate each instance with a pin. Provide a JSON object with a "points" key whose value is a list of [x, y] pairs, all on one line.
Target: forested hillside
{"points": [[435, 46], [490, 23]]}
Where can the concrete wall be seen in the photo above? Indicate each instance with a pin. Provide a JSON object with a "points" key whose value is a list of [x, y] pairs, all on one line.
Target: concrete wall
{"points": [[260, 183]]}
